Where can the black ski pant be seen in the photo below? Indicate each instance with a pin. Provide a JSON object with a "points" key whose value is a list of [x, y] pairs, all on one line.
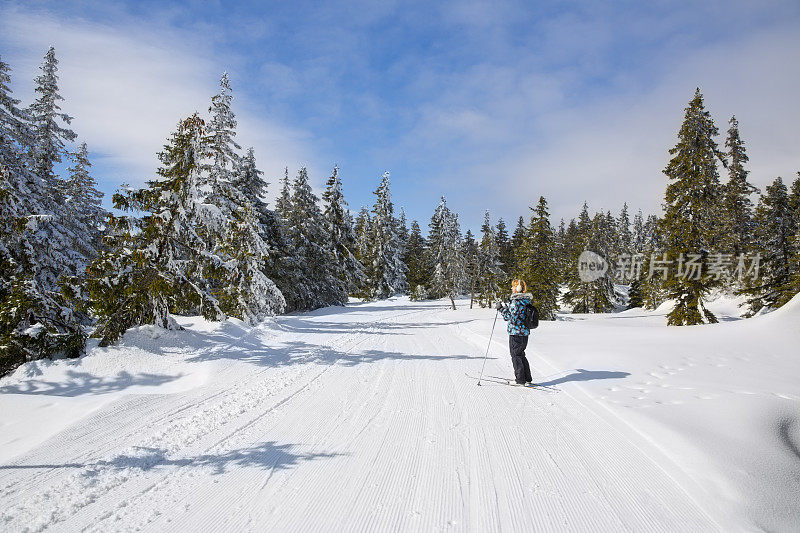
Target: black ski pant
{"points": [[522, 370]]}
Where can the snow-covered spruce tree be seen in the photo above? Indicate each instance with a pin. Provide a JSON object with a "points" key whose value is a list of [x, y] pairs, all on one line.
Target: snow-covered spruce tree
{"points": [[654, 232], [35, 247], [82, 206], [597, 296], [794, 206], [347, 270], [447, 258], [517, 241], [737, 220], [506, 253], [283, 204], [220, 138], [571, 247], [639, 245], [248, 180], [577, 238], [287, 269], [242, 286], [471, 263], [363, 231], [776, 233], [57, 255], [156, 265], [652, 287], [584, 220], [84, 218], [561, 249], [388, 269], [278, 264], [34, 320], [16, 133], [414, 259], [794, 199], [233, 232], [610, 234], [316, 284], [540, 264], [433, 245], [241, 281], [402, 229], [45, 114], [639, 238], [623, 230], [692, 207], [491, 271], [635, 298]]}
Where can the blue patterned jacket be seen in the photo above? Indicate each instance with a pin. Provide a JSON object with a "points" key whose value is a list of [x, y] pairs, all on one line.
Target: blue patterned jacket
{"points": [[514, 312]]}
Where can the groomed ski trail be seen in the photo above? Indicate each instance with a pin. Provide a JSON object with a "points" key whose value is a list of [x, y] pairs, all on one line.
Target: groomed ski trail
{"points": [[376, 428]]}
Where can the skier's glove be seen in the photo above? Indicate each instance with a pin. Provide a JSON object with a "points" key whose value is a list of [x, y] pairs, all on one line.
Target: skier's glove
{"points": [[499, 305]]}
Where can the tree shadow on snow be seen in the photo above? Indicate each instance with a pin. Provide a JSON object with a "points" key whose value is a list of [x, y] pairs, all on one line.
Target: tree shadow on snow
{"points": [[370, 328], [368, 307], [298, 352], [269, 456], [79, 383], [586, 375]]}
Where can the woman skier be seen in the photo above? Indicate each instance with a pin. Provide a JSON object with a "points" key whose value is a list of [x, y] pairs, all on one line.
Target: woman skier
{"points": [[514, 313]]}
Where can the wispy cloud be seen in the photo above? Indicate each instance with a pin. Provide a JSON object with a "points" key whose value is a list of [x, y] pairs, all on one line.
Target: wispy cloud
{"points": [[127, 82]]}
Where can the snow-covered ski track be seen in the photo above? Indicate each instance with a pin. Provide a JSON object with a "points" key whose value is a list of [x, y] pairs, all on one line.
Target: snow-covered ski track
{"points": [[373, 427]]}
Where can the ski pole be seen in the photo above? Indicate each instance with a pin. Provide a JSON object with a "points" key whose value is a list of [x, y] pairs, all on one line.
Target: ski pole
{"points": [[487, 348]]}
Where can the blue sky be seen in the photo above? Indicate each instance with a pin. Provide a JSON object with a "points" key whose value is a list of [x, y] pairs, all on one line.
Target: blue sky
{"points": [[488, 103]]}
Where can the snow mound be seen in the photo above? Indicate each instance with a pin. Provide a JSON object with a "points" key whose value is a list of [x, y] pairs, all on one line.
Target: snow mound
{"points": [[789, 311]]}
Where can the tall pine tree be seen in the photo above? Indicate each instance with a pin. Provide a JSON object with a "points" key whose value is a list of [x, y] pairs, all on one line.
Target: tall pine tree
{"points": [[347, 270], [388, 270], [45, 113], [316, 286], [777, 231], [737, 206], [415, 262], [691, 212], [157, 265], [491, 273], [540, 267], [447, 258]]}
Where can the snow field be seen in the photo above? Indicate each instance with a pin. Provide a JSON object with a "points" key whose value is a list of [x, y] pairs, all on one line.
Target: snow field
{"points": [[361, 418]]}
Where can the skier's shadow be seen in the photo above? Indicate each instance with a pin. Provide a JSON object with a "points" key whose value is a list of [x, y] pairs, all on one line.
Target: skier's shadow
{"points": [[581, 374]]}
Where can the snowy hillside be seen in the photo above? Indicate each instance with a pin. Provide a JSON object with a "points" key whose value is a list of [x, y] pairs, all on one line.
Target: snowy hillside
{"points": [[363, 418]]}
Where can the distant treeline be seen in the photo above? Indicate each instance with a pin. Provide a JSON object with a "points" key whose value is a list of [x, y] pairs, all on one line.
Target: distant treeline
{"points": [[199, 238]]}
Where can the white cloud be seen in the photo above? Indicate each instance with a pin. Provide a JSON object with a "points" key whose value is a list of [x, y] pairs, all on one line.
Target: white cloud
{"points": [[614, 150], [519, 138], [128, 83]]}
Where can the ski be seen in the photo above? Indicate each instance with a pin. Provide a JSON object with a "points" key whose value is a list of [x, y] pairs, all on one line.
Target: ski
{"points": [[535, 385], [504, 381]]}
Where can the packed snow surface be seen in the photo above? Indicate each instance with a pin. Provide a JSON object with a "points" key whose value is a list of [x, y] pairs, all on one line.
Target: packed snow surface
{"points": [[362, 418]]}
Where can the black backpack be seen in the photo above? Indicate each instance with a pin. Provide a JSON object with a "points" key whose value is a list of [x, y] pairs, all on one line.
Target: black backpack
{"points": [[530, 316]]}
